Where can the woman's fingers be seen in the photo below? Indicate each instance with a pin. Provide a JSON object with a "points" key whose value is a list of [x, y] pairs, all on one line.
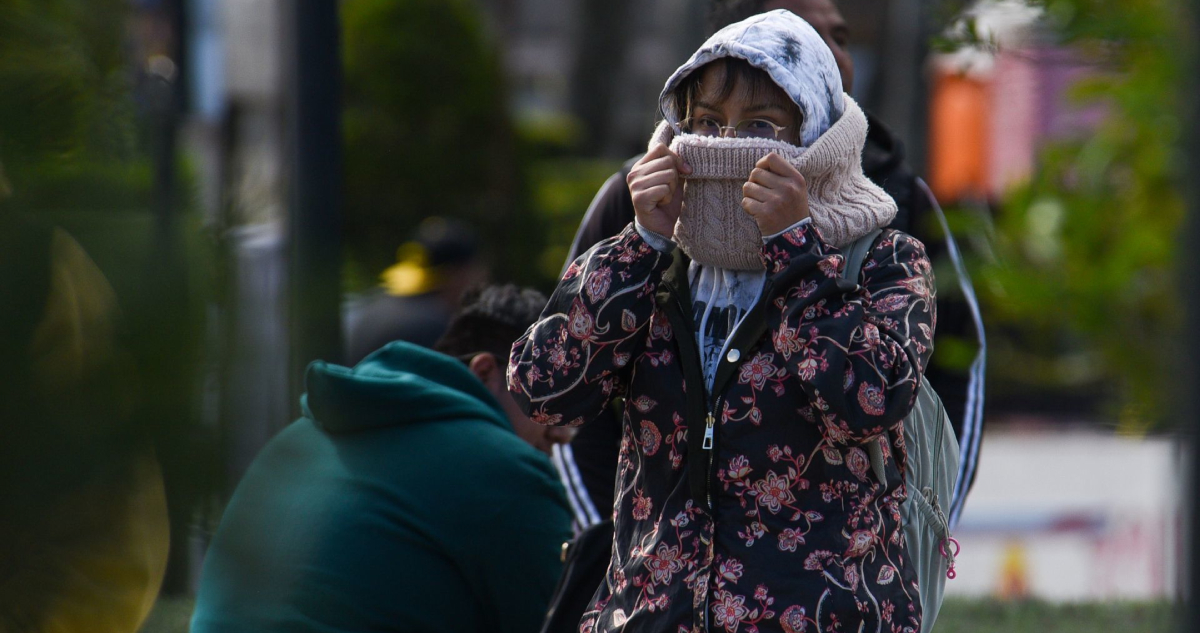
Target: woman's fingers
{"points": [[658, 158], [762, 177], [753, 207], [668, 177], [779, 166], [776, 195], [651, 197], [665, 177], [680, 164], [755, 191]]}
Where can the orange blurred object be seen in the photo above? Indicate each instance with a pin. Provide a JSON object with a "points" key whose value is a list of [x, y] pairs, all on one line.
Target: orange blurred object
{"points": [[959, 115]]}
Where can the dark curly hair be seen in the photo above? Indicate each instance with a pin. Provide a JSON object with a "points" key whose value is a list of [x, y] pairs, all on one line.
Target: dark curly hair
{"points": [[489, 319]]}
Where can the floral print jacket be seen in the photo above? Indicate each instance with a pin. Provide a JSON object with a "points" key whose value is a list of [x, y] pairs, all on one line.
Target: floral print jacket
{"points": [[754, 508]]}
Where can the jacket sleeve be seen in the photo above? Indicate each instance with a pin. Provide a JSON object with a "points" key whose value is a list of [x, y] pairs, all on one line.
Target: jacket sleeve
{"points": [[566, 367], [858, 351]]}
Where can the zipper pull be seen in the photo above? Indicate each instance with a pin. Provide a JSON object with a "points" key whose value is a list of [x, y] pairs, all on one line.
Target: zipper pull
{"points": [[708, 433]]}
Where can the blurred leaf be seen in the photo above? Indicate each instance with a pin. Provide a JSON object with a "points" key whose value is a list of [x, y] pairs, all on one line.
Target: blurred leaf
{"points": [[1086, 250]]}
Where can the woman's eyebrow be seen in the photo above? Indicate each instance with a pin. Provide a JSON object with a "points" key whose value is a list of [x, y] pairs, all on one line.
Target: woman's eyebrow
{"points": [[704, 104], [771, 107]]}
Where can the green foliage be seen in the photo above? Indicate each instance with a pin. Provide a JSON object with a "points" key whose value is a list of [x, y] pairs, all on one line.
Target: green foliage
{"points": [[426, 126], [68, 135], [64, 83], [70, 146], [1083, 282], [958, 615], [563, 189]]}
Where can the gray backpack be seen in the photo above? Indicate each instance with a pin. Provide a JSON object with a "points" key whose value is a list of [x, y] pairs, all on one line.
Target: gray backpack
{"points": [[933, 455]]}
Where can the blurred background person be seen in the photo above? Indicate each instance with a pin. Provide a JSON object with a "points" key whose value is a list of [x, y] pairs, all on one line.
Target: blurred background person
{"points": [[419, 293], [411, 496]]}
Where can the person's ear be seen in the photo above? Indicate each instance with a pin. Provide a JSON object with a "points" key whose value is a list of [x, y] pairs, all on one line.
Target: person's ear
{"points": [[487, 369]]}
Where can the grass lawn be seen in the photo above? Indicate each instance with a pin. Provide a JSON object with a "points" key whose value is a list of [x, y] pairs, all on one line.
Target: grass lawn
{"points": [[957, 616], [989, 616]]}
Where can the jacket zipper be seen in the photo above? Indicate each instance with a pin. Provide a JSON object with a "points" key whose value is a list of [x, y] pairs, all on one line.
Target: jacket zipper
{"points": [[710, 421], [707, 444], [710, 425]]}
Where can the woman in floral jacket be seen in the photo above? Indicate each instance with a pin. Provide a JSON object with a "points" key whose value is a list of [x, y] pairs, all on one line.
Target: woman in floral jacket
{"points": [[753, 374]]}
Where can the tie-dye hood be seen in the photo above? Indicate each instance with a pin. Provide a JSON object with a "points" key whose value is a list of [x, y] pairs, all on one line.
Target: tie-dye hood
{"points": [[790, 51]]}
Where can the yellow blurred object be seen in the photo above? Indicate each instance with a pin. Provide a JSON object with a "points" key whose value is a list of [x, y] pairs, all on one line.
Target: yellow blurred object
{"points": [[95, 562], [76, 335], [412, 274], [90, 556], [1014, 573]]}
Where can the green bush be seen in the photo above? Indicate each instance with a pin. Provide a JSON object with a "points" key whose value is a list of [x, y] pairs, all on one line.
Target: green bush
{"points": [[65, 84], [562, 191], [1082, 289], [426, 126]]}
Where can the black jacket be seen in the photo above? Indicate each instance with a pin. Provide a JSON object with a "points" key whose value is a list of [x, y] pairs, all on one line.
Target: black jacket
{"points": [[595, 446]]}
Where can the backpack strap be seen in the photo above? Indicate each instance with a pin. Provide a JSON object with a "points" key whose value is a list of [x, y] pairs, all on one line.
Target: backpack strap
{"points": [[972, 424], [855, 254]]}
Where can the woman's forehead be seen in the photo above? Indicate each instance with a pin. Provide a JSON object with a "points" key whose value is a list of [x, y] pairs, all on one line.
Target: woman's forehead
{"points": [[724, 82]]}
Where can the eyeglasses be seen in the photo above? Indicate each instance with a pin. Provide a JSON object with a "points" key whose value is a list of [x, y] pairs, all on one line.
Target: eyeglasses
{"points": [[749, 128]]}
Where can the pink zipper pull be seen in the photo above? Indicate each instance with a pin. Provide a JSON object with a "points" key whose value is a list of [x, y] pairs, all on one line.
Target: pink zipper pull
{"points": [[951, 573]]}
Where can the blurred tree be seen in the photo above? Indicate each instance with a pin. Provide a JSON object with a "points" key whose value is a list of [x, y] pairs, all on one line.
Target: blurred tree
{"points": [[1084, 274], [77, 154], [65, 76], [65, 106], [427, 132]]}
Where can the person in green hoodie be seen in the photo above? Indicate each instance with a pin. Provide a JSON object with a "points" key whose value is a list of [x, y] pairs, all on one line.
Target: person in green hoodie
{"points": [[409, 497]]}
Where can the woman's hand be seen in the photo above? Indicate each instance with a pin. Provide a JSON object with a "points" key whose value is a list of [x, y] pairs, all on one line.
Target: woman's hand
{"points": [[654, 183], [776, 195]]}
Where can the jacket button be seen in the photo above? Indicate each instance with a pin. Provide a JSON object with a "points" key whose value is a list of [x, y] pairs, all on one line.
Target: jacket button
{"points": [[733, 356]]}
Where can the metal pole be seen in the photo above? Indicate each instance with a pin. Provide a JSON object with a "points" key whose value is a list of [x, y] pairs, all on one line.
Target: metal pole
{"points": [[316, 205], [167, 87], [1189, 262]]}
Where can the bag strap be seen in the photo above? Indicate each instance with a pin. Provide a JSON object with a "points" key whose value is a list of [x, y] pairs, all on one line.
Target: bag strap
{"points": [[972, 424], [856, 253]]}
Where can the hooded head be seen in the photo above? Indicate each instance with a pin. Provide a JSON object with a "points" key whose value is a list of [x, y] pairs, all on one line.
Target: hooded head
{"points": [[823, 137], [792, 54], [402, 383]]}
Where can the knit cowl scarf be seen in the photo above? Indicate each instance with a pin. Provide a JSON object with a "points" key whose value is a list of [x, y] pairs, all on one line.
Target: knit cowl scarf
{"points": [[714, 230]]}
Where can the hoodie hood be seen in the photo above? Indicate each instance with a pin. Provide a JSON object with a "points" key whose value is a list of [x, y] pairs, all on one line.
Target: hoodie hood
{"points": [[401, 383], [790, 51]]}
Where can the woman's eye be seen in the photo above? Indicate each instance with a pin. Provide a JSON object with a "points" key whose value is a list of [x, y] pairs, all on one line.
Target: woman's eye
{"points": [[706, 125], [758, 125]]}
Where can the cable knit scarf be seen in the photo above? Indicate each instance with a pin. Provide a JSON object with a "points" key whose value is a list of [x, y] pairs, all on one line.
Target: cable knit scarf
{"points": [[714, 230]]}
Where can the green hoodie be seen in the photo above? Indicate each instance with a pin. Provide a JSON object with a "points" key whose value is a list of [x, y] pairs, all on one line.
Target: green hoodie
{"points": [[401, 501]]}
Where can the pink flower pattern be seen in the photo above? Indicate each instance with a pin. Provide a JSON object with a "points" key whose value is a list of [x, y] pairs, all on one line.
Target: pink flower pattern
{"points": [[797, 506]]}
